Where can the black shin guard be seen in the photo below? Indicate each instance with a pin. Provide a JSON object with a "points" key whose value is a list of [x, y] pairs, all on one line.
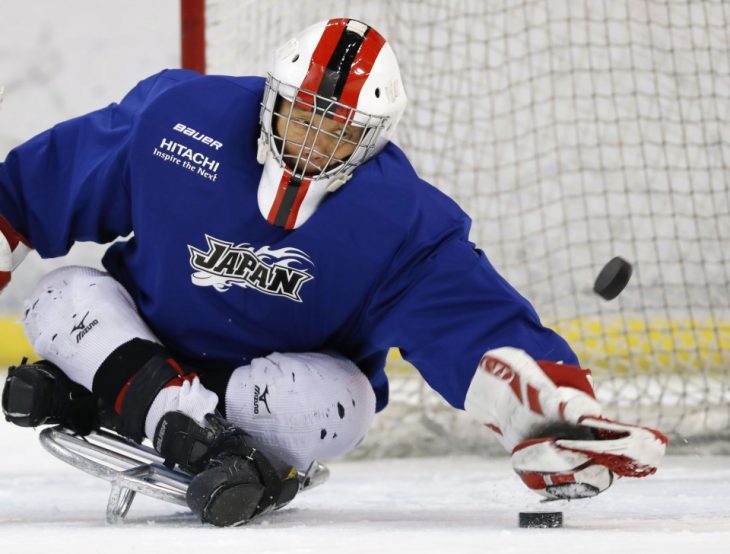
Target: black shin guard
{"points": [[130, 379]]}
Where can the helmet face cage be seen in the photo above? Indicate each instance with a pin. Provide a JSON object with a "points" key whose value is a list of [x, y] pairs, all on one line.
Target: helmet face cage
{"points": [[292, 124]]}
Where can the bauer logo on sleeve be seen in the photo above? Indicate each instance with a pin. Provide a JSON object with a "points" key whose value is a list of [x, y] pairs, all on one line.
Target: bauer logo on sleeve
{"points": [[202, 164], [280, 272]]}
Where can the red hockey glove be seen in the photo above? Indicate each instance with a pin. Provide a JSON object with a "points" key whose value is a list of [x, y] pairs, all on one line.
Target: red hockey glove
{"points": [[13, 248], [546, 414]]}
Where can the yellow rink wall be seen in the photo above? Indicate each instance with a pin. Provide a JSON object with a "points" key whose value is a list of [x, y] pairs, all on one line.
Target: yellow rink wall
{"points": [[634, 345], [630, 344], [616, 345], [13, 344]]}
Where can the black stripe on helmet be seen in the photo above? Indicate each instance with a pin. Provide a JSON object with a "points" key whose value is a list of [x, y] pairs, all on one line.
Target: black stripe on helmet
{"points": [[339, 66], [292, 188]]}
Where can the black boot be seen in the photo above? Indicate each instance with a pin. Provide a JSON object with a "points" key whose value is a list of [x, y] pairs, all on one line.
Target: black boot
{"points": [[233, 481], [41, 394]]}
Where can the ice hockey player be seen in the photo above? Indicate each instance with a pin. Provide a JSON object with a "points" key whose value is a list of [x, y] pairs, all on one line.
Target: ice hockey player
{"points": [[280, 245]]}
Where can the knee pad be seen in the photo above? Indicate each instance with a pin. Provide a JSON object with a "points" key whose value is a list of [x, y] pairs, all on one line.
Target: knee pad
{"points": [[76, 316], [301, 406]]}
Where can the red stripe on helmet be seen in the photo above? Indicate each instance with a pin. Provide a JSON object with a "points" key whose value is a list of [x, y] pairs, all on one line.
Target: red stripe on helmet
{"points": [[283, 184], [301, 193], [361, 67], [320, 58]]}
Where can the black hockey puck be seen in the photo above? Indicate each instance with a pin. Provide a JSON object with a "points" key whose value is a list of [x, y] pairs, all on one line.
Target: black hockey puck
{"points": [[613, 278], [541, 519]]}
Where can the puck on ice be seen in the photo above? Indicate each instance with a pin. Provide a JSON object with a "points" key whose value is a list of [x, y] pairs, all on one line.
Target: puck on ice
{"points": [[541, 519], [613, 278]]}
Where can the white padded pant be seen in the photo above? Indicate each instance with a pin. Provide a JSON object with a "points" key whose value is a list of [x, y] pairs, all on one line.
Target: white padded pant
{"points": [[301, 406], [298, 406]]}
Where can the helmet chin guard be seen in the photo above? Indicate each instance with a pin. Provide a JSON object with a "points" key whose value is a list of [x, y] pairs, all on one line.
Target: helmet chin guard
{"points": [[331, 103]]}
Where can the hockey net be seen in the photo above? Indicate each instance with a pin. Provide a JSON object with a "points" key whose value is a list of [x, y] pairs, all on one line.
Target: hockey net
{"points": [[572, 132]]}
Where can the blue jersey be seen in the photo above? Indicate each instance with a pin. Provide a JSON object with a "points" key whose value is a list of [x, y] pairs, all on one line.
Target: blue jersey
{"points": [[384, 262]]}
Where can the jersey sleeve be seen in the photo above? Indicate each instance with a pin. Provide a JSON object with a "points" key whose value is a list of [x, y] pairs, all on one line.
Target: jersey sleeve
{"points": [[444, 305], [70, 183]]}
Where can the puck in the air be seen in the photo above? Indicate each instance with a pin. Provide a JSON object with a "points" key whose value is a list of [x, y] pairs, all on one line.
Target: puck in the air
{"points": [[541, 519], [613, 278]]}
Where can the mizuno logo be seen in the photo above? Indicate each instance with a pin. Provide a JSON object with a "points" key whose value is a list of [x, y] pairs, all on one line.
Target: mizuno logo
{"points": [[259, 396], [83, 328]]}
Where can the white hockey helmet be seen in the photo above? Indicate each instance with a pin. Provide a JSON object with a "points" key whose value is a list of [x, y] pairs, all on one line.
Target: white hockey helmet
{"points": [[332, 101]]}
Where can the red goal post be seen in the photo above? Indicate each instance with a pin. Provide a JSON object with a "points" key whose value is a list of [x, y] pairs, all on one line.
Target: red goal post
{"points": [[192, 34]]}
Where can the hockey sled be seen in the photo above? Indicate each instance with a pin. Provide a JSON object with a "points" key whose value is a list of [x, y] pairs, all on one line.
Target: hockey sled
{"points": [[132, 468]]}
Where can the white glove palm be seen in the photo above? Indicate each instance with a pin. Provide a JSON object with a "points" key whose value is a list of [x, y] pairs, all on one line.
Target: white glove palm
{"points": [[580, 467]]}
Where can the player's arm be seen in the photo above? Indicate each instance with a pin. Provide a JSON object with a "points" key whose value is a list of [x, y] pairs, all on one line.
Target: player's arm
{"points": [[13, 248], [482, 347], [70, 182]]}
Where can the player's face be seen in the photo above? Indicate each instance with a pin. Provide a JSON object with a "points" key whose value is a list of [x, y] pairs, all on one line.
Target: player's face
{"points": [[307, 150]]}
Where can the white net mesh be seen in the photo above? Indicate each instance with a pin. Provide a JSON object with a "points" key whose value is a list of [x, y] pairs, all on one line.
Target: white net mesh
{"points": [[572, 132]]}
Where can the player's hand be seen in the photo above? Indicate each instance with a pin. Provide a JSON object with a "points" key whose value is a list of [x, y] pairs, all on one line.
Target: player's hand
{"points": [[13, 248], [514, 395], [547, 416], [579, 461]]}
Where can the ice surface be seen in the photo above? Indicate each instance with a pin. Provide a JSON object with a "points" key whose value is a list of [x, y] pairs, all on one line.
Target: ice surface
{"points": [[457, 505]]}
